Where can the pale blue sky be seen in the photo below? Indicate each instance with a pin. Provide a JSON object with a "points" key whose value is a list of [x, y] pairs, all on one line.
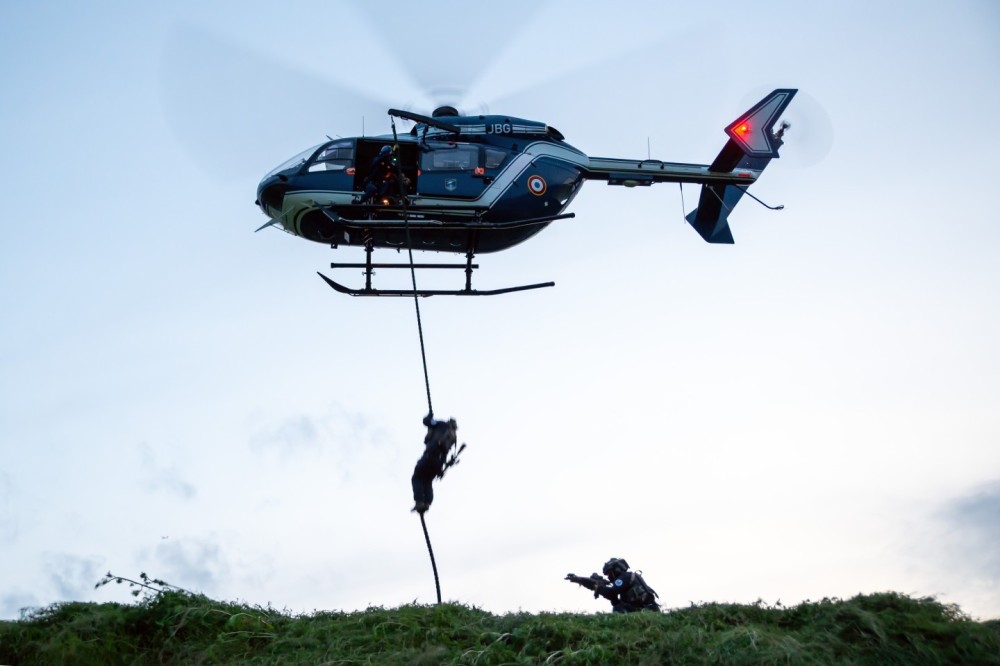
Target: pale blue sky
{"points": [[811, 412]]}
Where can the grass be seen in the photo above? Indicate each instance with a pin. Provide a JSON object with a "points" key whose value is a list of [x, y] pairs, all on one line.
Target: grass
{"points": [[177, 627]]}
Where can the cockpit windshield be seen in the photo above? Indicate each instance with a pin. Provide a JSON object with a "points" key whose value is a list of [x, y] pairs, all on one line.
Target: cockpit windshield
{"points": [[334, 157], [295, 161]]}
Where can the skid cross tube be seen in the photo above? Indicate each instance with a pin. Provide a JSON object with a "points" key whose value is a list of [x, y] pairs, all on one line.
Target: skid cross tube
{"points": [[369, 267], [377, 265]]}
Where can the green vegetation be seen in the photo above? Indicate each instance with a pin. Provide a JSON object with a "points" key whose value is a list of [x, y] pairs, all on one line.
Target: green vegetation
{"points": [[171, 626]]}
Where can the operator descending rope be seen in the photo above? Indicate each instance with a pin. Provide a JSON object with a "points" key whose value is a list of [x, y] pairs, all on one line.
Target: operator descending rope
{"points": [[440, 441]]}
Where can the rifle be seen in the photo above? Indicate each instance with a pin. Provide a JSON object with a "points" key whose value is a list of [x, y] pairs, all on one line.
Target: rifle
{"points": [[452, 461], [595, 582]]}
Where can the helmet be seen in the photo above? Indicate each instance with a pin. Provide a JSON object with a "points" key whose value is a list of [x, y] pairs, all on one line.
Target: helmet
{"points": [[615, 567], [451, 422], [385, 150]]}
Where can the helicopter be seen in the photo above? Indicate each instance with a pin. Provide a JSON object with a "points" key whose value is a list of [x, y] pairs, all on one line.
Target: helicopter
{"points": [[476, 184]]}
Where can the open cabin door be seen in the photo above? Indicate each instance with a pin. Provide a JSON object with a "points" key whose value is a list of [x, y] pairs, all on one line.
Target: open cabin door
{"points": [[367, 152]]}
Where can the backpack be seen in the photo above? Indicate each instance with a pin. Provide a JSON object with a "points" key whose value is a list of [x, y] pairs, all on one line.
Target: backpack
{"points": [[640, 592]]}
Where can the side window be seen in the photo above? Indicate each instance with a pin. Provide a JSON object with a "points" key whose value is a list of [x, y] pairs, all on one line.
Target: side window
{"points": [[494, 158], [335, 157], [450, 157]]}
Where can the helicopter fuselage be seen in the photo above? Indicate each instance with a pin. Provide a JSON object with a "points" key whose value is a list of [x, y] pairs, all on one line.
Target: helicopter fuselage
{"points": [[483, 185], [478, 192], [478, 184]]}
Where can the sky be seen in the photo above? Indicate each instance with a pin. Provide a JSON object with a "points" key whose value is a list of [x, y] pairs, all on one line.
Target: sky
{"points": [[809, 413]]}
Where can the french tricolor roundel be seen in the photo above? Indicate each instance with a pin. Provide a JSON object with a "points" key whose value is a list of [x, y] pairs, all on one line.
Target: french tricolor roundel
{"points": [[536, 185]]}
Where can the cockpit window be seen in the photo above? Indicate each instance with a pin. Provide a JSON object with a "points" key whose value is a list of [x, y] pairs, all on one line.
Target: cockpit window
{"points": [[450, 157], [335, 157], [293, 162]]}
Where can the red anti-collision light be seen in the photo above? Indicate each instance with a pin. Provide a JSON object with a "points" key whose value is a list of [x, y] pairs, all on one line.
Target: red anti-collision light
{"points": [[753, 132]]}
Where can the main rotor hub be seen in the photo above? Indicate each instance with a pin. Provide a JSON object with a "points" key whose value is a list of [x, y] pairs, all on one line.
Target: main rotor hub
{"points": [[445, 111]]}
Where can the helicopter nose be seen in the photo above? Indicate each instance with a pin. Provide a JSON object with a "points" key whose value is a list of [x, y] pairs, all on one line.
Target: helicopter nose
{"points": [[271, 196]]}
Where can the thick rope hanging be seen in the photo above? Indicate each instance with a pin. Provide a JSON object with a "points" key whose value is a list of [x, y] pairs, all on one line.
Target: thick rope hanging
{"points": [[413, 278], [430, 551], [420, 333]]}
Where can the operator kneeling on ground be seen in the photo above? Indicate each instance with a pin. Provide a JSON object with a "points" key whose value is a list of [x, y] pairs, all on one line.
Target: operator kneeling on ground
{"points": [[438, 442], [626, 590]]}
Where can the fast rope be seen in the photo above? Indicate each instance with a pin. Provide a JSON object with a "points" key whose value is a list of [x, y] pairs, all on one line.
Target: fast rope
{"points": [[420, 332], [430, 551], [413, 278]]}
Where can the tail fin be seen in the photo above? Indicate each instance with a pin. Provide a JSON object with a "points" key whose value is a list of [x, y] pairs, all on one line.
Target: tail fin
{"points": [[752, 144]]}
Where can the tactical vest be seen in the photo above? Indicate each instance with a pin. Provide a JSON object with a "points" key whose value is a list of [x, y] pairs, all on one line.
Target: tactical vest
{"points": [[441, 438]]}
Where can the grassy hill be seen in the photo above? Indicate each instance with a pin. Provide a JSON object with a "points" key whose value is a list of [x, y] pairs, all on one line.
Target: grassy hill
{"points": [[176, 627]]}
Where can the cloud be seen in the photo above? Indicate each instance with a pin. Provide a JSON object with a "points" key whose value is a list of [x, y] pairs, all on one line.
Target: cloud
{"points": [[293, 434], [170, 481], [196, 565], [16, 604], [952, 551], [73, 576], [345, 435], [165, 479], [8, 522], [973, 536]]}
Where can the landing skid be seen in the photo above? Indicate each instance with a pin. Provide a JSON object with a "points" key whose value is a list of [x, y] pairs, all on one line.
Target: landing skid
{"points": [[468, 266], [430, 292]]}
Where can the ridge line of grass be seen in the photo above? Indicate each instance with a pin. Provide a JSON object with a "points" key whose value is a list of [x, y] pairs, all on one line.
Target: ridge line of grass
{"points": [[178, 627]]}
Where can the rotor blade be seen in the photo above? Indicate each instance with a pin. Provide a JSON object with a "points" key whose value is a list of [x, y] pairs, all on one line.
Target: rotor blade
{"points": [[433, 122], [443, 62], [810, 135], [461, 66], [237, 112]]}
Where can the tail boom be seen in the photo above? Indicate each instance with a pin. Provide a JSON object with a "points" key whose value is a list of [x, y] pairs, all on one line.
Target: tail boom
{"points": [[751, 146], [633, 173]]}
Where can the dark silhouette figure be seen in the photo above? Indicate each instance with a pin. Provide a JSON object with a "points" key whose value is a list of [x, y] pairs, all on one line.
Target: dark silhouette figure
{"points": [[438, 442], [626, 590], [380, 176]]}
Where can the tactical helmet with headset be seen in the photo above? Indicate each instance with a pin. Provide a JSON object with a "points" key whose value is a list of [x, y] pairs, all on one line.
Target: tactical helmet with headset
{"points": [[615, 567]]}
